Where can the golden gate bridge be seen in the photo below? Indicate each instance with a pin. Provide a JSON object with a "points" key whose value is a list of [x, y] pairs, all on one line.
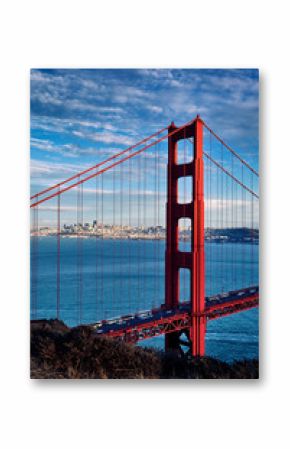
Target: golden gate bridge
{"points": [[182, 185]]}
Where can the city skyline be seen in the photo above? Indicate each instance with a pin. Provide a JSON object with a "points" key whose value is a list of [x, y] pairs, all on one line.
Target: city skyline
{"points": [[144, 201]]}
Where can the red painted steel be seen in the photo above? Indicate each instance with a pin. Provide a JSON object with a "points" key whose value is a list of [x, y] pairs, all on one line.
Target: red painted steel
{"points": [[175, 259], [180, 321], [197, 331], [171, 265], [231, 175], [171, 270], [115, 164], [167, 326], [231, 150], [58, 261], [194, 319], [77, 175]]}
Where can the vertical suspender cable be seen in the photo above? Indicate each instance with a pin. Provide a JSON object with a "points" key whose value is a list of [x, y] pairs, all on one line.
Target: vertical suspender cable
{"points": [[158, 219], [206, 231], [218, 220], [81, 255], [227, 283], [78, 253], [222, 216], [236, 272], [252, 232], [154, 298], [243, 228], [96, 241], [232, 221], [102, 252], [114, 242], [58, 261], [121, 255], [138, 223], [34, 264], [130, 280], [210, 216], [144, 224]]}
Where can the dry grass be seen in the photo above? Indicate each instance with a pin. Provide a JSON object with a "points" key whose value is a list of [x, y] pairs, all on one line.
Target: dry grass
{"points": [[58, 352]]}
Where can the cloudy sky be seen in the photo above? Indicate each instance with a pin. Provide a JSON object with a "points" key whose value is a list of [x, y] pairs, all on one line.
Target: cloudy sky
{"points": [[79, 117]]}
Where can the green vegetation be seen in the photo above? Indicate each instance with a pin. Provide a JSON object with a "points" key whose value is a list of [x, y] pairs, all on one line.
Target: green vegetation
{"points": [[58, 352]]}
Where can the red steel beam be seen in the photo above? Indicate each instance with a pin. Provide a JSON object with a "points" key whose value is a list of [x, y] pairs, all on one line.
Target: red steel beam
{"points": [[156, 327], [198, 327], [232, 303], [232, 311], [194, 210], [181, 321], [121, 161]]}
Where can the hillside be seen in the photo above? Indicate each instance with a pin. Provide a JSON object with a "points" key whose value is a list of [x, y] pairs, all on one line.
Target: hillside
{"points": [[58, 352]]}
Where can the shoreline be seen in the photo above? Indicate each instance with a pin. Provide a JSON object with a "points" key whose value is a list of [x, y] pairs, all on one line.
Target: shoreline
{"points": [[151, 238]]}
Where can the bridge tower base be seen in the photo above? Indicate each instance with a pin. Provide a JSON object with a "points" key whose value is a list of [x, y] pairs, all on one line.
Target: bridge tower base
{"points": [[193, 260]]}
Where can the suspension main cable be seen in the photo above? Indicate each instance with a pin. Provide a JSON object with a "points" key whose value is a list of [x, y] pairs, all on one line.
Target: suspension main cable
{"points": [[135, 153], [232, 176], [231, 150], [99, 164]]}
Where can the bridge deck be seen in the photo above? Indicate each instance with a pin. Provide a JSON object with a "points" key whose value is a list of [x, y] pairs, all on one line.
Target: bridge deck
{"points": [[150, 323]]}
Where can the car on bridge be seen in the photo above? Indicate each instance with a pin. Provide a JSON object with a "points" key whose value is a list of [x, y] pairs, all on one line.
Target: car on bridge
{"points": [[96, 325], [143, 314], [127, 317]]}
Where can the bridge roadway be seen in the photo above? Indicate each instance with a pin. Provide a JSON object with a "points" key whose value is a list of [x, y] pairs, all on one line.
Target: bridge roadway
{"points": [[158, 321]]}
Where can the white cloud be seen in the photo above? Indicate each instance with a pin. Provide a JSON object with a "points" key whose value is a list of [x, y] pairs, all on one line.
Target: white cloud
{"points": [[154, 108], [109, 137], [106, 102], [38, 167], [215, 203], [63, 208], [68, 150], [140, 192]]}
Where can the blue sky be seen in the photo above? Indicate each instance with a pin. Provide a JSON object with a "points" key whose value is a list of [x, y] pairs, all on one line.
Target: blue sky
{"points": [[79, 117]]}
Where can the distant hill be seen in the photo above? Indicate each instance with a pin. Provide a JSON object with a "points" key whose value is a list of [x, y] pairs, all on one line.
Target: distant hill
{"points": [[232, 234]]}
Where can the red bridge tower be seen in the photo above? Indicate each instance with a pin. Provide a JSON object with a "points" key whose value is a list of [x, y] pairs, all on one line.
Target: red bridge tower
{"points": [[193, 260]]}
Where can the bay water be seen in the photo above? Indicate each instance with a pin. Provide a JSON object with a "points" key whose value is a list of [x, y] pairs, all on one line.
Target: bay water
{"points": [[109, 278]]}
